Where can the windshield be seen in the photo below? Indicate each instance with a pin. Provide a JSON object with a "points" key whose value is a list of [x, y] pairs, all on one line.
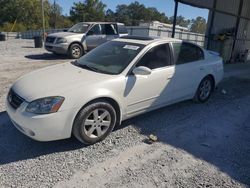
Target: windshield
{"points": [[79, 28], [110, 58]]}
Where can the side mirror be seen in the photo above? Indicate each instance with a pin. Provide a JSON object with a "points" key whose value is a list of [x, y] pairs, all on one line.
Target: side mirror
{"points": [[141, 71]]}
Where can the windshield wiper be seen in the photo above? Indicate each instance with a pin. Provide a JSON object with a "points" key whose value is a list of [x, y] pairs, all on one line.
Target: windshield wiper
{"points": [[86, 66]]}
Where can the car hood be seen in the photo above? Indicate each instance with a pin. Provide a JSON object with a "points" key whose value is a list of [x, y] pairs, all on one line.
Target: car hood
{"points": [[65, 34], [55, 80]]}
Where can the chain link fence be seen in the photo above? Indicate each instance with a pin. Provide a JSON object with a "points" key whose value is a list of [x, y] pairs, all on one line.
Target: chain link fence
{"points": [[132, 30]]}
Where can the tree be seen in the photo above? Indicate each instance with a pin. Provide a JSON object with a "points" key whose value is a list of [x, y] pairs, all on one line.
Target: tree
{"points": [[122, 14], [56, 19], [27, 15], [90, 10], [135, 12], [181, 21], [198, 25], [110, 16], [25, 12]]}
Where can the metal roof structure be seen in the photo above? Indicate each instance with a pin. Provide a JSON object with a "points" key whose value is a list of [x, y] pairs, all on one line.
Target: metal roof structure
{"points": [[224, 15]]}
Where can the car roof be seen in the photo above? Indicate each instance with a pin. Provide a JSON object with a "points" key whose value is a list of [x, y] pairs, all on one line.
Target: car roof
{"points": [[145, 40]]}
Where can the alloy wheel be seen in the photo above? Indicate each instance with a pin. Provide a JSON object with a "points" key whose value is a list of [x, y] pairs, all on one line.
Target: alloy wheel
{"points": [[205, 89], [97, 123]]}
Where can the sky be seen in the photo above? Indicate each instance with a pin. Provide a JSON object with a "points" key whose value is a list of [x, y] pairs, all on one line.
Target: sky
{"points": [[166, 6]]}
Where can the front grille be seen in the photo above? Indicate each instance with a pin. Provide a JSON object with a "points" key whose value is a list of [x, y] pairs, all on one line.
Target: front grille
{"points": [[50, 39], [14, 99]]}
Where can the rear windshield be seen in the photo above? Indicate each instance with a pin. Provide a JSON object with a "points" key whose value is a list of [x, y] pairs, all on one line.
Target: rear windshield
{"points": [[122, 29], [111, 57]]}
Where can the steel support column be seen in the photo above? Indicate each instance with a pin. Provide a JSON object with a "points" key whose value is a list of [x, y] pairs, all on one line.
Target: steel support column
{"points": [[236, 28], [211, 24], [175, 16]]}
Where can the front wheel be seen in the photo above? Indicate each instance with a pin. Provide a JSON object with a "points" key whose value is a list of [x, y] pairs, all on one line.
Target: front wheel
{"points": [[94, 122], [75, 51], [204, 90]]}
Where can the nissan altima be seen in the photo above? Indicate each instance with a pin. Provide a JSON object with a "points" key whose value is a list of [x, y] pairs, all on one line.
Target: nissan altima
{"points": [[118, 80]]}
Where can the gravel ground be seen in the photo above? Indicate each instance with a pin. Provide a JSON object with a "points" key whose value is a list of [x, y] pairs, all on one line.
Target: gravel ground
{"points": [[200, 145]]}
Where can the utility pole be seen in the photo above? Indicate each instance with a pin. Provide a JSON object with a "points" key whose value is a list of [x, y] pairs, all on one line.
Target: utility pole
{"points": [[175, 16], [55, 18], [83, 15], [43, 20]]}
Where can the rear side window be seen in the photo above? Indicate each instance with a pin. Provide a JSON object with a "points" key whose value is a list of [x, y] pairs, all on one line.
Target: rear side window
{"points": [[156, 57], [186, 52], [109, 29], [122, 29]]}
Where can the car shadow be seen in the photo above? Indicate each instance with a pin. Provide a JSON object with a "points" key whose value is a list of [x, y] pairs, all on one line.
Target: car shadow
{"points": [[216, 132], [28, 47], [15, 146], [47, 56]]}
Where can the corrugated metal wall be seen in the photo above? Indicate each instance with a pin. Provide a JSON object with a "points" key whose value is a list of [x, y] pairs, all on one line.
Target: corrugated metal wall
{"points": [[246, 9], [225, 18], [229, 6], [243, 37], [222, 22]]}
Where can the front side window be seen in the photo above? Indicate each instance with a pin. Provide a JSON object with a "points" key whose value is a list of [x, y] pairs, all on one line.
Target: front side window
{"points": [[111, 57], [186, 52], [156, 57], [95, 30]]}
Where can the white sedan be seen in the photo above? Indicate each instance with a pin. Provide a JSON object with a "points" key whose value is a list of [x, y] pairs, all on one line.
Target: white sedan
{"points": [[116, 81]]}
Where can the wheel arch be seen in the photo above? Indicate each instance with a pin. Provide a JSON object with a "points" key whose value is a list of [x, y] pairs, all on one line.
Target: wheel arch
{"points": [[76, 42], [213, 80], [109, 100]]}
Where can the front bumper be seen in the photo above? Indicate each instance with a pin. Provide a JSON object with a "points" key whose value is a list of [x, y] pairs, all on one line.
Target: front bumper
{"points": [[45, 127], [57, 48]]}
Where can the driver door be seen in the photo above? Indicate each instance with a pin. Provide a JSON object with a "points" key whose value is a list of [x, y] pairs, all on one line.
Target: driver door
{"points": [[95, 37], [146, 92]]}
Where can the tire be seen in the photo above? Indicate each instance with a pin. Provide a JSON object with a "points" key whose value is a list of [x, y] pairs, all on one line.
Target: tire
{"points": [[75, 51], [94, 122], [204, 90]]}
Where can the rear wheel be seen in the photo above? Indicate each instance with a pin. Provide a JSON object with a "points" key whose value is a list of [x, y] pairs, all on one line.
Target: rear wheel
{"points": [[75, 51], [204, 90], [94, 122]]}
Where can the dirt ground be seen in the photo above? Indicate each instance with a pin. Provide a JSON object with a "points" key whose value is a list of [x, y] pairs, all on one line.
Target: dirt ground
{"points": [[199, 145]]}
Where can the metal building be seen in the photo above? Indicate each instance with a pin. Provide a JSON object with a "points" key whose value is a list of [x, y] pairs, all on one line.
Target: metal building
{"points": [[228, 27]]}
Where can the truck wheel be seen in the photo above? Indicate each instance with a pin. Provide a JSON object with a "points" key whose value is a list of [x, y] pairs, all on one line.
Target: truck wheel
{"points": [[75, 51]]}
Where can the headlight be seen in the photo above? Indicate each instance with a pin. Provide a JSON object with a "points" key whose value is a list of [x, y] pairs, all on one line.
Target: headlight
{"points": [[61, 40], [45, 105]]}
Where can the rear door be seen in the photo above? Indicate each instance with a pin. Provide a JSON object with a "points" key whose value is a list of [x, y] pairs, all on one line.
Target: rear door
{"points": [[189, 69]]}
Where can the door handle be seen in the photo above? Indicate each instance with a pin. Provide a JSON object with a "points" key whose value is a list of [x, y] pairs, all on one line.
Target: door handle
{"points": [[169, 78], [201, 68]]}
